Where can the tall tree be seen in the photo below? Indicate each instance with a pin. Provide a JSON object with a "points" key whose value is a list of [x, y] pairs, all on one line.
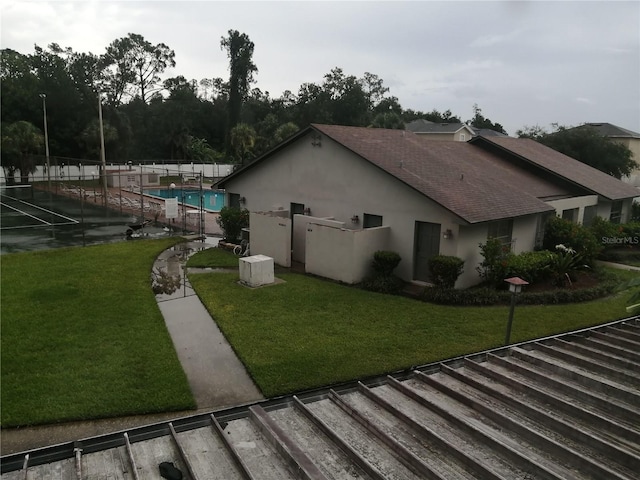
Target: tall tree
{"points": [[241, 69], [479, 121], [586, 144], [20, 142], [133, 66], [243, 138]]}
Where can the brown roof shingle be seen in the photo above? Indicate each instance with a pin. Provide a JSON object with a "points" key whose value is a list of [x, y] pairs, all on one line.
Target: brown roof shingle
{"points": [[563, 166], [470, 182]]}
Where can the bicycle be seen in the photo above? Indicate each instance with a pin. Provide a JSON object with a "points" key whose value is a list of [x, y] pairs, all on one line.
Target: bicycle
{"points": [[241, 250]]}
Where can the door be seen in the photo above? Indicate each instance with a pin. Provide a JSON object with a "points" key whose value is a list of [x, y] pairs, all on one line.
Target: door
{"points": [[297, 254], [427, 245]]}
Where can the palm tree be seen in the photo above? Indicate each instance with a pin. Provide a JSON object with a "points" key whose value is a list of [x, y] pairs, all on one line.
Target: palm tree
{"points": [[20, 141], [243, 139]]}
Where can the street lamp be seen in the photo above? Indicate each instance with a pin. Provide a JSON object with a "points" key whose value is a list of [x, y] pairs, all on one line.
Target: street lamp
{"points": [[46, 137], [515, 287], [102, 154]]}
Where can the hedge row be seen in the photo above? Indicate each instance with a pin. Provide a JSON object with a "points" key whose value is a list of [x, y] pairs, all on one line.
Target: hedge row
{"points": [[485, 296]]}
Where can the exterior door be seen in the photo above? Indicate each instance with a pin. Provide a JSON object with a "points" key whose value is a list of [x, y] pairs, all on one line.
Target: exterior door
{"points": [[427, 245]]}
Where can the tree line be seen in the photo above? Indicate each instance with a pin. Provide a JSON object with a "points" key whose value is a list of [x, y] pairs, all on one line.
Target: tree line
{"points": [[146, 117]]}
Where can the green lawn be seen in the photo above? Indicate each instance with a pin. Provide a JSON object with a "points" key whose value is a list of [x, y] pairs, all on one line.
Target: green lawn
{"points": [[213, 258], [307, 332], [82, 336]]}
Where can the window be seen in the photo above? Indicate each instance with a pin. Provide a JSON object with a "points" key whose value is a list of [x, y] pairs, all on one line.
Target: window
{"points": [[589, 215], [462, 137], [571, 214], [616, 212], [502, 230], [370, 221], [234, 200]]}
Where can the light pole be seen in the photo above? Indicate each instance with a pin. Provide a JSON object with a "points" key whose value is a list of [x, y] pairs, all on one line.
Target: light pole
{"points": [[46, 138], [515, 287], [102, 154]]}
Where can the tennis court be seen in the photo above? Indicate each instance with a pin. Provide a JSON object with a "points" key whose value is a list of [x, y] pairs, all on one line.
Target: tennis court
{"points": [[33, 219]]}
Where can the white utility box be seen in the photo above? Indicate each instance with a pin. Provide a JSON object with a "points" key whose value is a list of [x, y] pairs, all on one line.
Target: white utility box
{"points": [[256, 270]]}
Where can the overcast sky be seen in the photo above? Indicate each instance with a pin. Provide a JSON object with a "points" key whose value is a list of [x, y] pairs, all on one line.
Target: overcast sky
{"points": [[524, 63]]}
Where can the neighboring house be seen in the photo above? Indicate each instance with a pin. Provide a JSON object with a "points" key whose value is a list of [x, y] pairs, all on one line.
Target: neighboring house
{"points": [[629, 139], [486, 132], [459, 132], [330, 196]]}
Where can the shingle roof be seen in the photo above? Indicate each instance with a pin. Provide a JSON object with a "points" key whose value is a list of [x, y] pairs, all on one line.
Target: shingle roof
{"points": [[466, 180], [609, 130], [562, 407], [425, 126], [487, 132], [554, 162]]}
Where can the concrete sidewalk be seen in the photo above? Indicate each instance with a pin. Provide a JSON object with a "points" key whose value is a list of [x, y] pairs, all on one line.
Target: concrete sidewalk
{"points": [[216, 376]]}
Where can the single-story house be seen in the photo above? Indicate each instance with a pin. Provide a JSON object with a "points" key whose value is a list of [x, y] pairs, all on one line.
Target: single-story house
{"points": [[330, 196]]}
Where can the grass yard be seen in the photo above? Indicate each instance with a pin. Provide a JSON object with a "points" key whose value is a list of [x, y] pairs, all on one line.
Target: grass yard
{"points": [[308, 333], [82, 336], [213, 258]]}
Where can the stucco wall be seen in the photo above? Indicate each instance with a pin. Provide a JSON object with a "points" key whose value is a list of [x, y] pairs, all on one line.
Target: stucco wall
{"points": [[271, 236], [300, 227], [342, 254], [576, 202]]}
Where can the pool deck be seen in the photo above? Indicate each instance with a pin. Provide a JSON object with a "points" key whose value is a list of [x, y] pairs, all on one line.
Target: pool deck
{"points": [[150, 208]]}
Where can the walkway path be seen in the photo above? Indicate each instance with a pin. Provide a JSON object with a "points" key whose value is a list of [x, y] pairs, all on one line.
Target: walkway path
{"points": [[216, 376]]}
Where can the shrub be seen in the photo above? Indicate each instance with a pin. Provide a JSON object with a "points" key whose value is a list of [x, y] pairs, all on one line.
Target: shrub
{"points": [[383, 280], [232, 220], [559, 231], [565, 264], [385, 262], [530, 266], [445, 270], [603, 229], [492, 269], [485, 296]]}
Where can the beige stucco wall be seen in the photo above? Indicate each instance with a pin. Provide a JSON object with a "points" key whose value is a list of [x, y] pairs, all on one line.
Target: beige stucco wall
{"points": [[271, 236], [342, 254], [300, 231], [632, 144], [575, 202]]}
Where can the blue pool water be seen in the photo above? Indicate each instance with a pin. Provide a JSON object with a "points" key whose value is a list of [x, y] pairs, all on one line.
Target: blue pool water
{"points": [[213, 199]]}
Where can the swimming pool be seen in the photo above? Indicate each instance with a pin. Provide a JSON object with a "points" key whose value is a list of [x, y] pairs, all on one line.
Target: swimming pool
{"points": [[213, 199]]}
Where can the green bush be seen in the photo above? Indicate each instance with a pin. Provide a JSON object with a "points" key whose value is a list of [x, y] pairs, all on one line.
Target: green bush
{"points": [[559, 231], [232, 220], [603, 229], [385, 262], [445, 270], [383, 280], [485, 296], [493, 268], [530, 266]]}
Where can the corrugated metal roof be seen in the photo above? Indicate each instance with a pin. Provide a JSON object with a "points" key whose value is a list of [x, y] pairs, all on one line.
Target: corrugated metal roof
{"points": [[564, 407]]}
